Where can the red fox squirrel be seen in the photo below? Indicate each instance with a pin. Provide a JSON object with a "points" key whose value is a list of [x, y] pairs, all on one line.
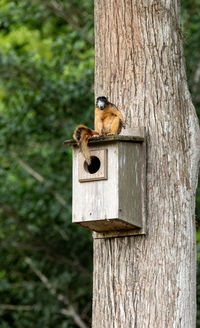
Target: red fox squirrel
{"points": [[108, 120], [81, 134]]}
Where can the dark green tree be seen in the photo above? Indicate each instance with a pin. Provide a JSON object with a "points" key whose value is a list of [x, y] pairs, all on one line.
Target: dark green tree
{"points": [[46, 69], [46, 89]]}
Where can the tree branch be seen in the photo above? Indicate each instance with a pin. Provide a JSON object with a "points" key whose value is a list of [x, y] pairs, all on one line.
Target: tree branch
{"points": [[40, 244], [39, 178], [70, 311], [59, 10], [10, 211], [13, 307]]}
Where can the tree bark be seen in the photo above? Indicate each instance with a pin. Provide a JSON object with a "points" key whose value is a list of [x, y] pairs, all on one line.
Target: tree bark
{"points": [[149, 281]]}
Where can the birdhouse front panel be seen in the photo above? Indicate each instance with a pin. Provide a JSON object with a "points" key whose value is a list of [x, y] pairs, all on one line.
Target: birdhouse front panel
{"points": [[95, 200]]}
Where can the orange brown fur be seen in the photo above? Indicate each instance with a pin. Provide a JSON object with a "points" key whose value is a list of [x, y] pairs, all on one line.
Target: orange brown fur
{"points": [[109, 120], [81, 134]]}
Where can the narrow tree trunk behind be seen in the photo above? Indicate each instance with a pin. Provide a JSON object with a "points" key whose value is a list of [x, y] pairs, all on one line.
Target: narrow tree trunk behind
{"points": [[149, 281]]}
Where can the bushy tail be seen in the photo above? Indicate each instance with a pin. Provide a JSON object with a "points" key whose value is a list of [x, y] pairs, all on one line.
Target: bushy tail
{"points": [[83, 144], [81, 134]]}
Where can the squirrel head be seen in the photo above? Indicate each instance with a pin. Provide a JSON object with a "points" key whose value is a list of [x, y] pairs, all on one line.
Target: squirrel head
{"points": [[101, 102]]}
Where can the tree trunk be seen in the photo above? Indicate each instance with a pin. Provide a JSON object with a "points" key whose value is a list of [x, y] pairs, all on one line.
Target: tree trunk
{"points": [[149, 281]]}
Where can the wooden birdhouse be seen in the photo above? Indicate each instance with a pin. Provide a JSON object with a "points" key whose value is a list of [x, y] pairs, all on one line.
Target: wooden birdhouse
{"points": [[109, 195]]}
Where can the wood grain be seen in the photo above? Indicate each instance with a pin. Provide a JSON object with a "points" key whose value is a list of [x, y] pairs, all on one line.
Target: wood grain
{"points": [[149, 281], [106, 200]]}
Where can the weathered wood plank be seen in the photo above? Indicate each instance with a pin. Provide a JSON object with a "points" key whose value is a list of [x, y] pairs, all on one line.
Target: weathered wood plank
{"points": [[116, 200], [130, 134]]}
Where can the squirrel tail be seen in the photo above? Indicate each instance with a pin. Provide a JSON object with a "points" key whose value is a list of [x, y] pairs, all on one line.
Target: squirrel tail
{"points": [[81, 134]]}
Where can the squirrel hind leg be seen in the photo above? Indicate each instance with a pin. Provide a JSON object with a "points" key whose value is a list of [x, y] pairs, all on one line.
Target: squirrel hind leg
{"points": [[116, 126]]}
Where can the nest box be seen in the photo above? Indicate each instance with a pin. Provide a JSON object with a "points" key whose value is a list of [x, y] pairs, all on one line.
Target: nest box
{"points": [[109, 195]]}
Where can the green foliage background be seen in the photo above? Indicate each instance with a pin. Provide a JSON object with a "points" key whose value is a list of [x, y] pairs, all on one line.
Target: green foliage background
{"points": [[46, 89]]}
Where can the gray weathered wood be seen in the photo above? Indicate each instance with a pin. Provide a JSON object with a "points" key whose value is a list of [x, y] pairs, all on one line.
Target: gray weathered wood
{"points": [[136, 134], [102, 174], [118, 233], [148, 281], [106, 200]]}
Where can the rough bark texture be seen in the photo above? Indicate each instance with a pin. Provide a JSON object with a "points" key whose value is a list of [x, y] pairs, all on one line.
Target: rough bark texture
{"points": [[149, 281]]}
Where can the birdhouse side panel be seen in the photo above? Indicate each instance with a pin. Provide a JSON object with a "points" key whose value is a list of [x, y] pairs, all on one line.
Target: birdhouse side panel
{"points": [[130, 182]]}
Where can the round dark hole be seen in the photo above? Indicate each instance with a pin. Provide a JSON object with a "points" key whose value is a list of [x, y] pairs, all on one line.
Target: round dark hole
{"points": [[94, 166]]}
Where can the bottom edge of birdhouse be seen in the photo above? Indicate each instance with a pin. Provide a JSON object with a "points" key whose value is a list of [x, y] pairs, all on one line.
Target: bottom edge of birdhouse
{"points": [[119, 233], [110, 226]]}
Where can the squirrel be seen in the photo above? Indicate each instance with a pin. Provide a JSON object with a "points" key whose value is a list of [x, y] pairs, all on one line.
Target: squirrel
{"points": [[108, 119], [81, 134]]}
